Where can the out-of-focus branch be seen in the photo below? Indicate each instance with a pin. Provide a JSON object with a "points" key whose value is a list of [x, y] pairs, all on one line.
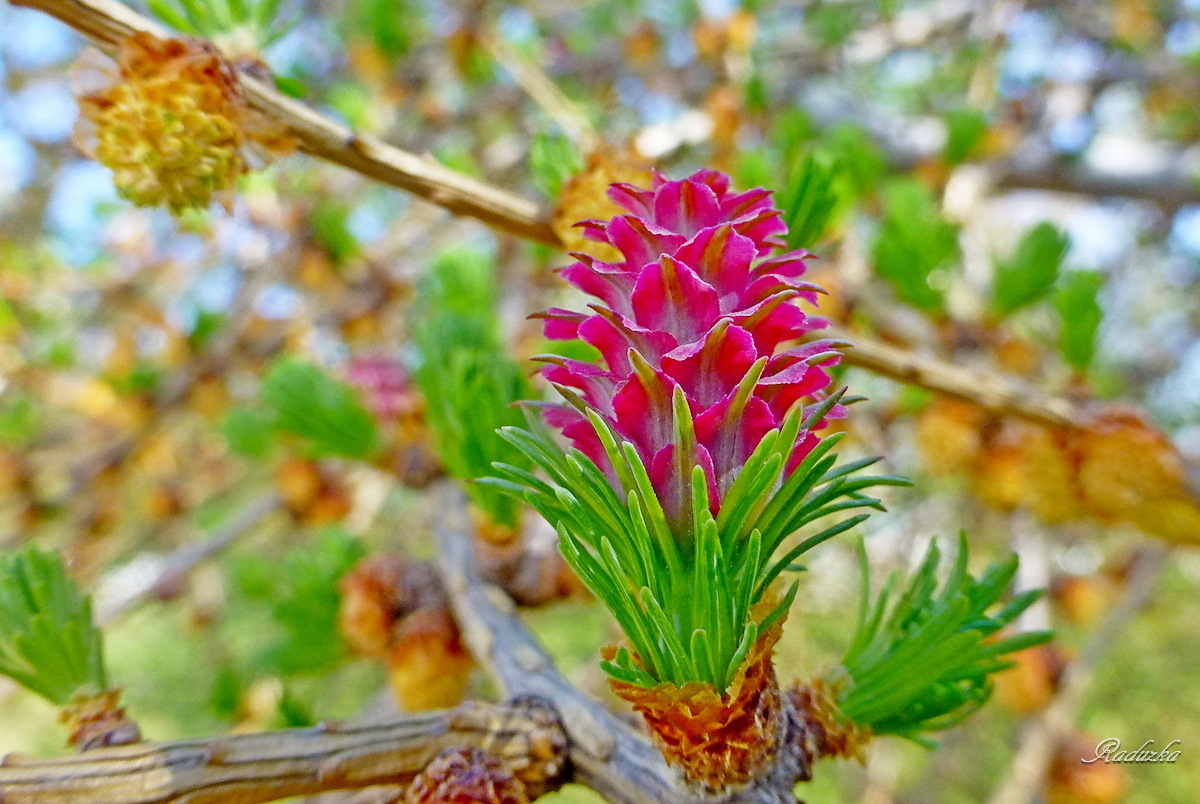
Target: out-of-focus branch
{"points": [[605, 753], [108, 23], [544, 92], [993, 391], [1042, 737], [252, 768], [178, 564]]}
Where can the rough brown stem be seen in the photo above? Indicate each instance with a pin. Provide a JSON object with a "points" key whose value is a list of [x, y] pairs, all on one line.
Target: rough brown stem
{"points": [[252, 768]]}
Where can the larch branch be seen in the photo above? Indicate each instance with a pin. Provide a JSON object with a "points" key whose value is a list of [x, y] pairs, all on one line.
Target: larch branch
{"points": [[992, 391], [253, 768], [108, 22]]}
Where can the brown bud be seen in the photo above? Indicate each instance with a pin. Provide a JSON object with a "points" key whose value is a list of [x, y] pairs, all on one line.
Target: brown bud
{"points": [[99, 721], [717, 741], [372, 602], [1081, 598], [1030, 684], [299, 482], [827, 733], [1072, 780], [428, 665]]}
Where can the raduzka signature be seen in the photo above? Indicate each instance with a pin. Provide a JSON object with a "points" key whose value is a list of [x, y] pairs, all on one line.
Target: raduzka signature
{"points": [[1110, 751]]}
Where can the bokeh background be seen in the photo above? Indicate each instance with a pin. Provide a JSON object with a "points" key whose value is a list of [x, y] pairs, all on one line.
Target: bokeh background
{"points": [[133, 343]]}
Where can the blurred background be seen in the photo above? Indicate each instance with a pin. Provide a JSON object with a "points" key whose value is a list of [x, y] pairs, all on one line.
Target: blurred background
{"points": [[1012, 187]]}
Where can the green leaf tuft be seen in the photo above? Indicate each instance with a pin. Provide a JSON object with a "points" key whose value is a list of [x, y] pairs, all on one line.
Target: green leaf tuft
{"points": [[48, 643], [923, 660], [915, 245], [305, 401], [470, 385], [1029, 274], [1078, 306]]}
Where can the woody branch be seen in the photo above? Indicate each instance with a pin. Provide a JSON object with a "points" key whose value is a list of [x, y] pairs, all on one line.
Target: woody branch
{"points": [[252, 768]]}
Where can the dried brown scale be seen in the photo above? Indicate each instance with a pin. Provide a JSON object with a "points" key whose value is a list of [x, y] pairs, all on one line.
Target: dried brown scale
{"points": [[99, 721], [826, 732], [584, 197], [718, 742]]}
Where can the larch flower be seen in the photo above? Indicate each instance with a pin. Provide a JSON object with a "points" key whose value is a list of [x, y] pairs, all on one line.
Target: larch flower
{"points": [[169, 119], [695, 305], [694, 460]]}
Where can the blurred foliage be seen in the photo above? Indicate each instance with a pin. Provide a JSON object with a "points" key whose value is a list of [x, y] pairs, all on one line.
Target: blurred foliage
{"points": [[1029, 274], [48, 642], [301, 595], [1079, 309], [915, 246], [137, 351], [470, 385], [305, 401]]}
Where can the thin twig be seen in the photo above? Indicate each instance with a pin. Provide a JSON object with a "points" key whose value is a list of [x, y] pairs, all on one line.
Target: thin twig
{"points": [[605, 754], [108, 22], [181, 562], [544, 92], [253, 768], [992, 391], [1041, 738]]}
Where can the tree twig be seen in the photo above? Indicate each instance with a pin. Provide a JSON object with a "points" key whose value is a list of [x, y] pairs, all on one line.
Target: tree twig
{"points": [[108, 22], [544, 92], [253, 768], [605, 753], [992, 391], [181, 562]]}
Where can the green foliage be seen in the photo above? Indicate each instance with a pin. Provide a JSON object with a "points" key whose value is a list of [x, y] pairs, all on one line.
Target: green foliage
{"points": [[923, 661], [914, 245], [301, 593], [391, 26], [249, 432], [1079, 309], [832, 23], [235, 20], [791, 130], [684, 597], [857, 156], [20, 419], [305, 401], [809, 199], [965, 128], [48, 643], [470, 385], [552, 160], [330, 223], [1029, 274]]}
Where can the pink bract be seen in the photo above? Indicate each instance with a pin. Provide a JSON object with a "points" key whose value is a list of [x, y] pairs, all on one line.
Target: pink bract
{"points": [[700, 303]]}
